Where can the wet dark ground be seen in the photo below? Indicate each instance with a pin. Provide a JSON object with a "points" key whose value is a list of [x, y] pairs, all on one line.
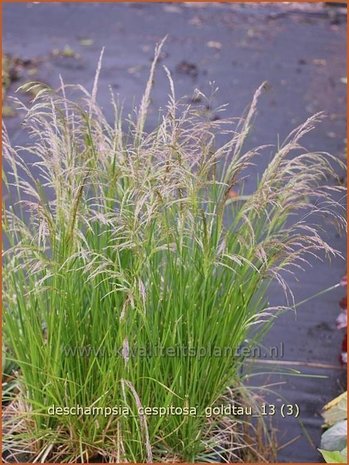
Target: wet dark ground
{"points": [[301, 53]]}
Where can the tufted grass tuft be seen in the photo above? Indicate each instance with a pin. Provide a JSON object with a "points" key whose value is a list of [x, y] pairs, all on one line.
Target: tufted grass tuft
{"points": [[136, 267]]}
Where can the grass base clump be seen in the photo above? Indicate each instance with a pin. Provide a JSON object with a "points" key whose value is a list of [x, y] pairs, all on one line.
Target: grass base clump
{"points": [[135, 268]]}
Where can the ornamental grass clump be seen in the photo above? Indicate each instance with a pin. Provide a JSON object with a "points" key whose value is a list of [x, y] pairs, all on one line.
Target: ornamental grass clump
{"points": [[135, 268]]}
